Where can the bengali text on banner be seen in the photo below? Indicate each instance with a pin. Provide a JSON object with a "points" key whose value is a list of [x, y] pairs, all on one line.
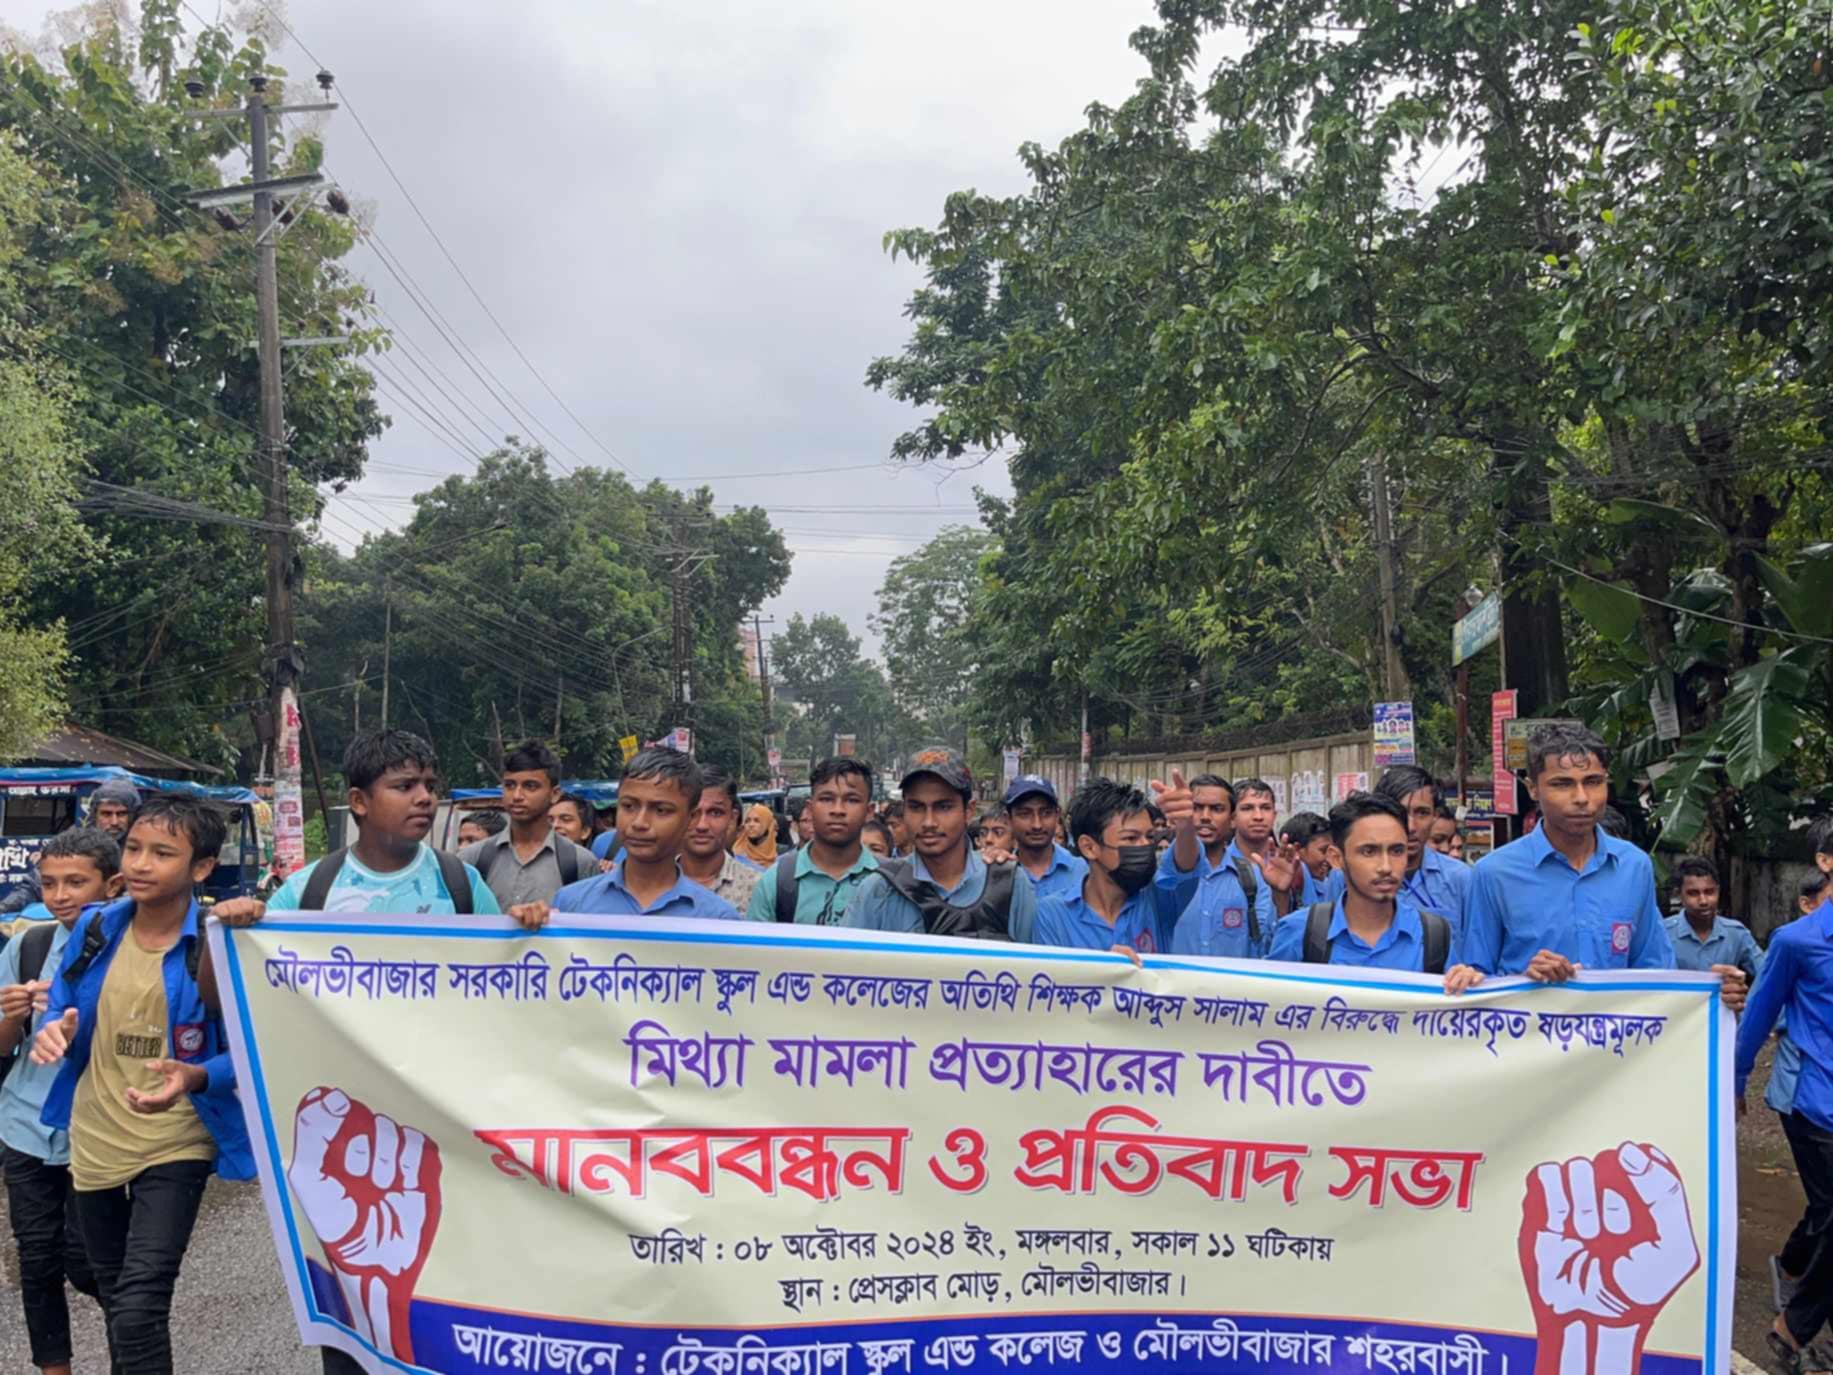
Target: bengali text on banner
{"points": [[648, 1147]]}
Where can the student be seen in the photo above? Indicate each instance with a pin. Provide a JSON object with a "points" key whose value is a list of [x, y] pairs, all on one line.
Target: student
{"points": [[147, 1088], [995, 836], [706, 856], [572, 819], [110, 805], [1309, 834], [801, 824], [876, 837], [1566, 896], [529, 862], [1374, 924], [1446, 836], [478, 826], [1700, 936], [816, 883], [604, 832], [944, 888], [1119, 906], [1225, 905], [1433, 882], [77, 869], [1056, 871], [655, 805], [1798, 980], [899, 827], [1256, 809], [1788, 1266]]}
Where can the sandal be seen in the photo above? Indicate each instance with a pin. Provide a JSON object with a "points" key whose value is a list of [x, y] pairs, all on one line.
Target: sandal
{"points": [[1784, 1359]]}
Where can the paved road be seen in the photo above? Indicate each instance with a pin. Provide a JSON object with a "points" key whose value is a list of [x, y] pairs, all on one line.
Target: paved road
{"points": [[230, 1316]]}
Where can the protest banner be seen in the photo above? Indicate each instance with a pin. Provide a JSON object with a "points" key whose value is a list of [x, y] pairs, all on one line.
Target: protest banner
{"points": [[652, 1147]]}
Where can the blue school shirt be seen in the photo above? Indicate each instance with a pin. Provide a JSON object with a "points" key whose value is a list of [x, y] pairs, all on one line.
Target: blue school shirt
{"points": [[606, 895], [1062, 879], [1145, 923], [1525, 898], [877, 906], [419, 887], [1797, 978], [1214, 919], [1402, 946], [22, 1095], [1729, 942], [602, 843], [1440, 884]]}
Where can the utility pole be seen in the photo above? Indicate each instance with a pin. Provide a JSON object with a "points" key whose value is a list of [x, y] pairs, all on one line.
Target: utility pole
{"points": [[283, 661], [763, 677], [388, 638], [1394, 671], [682, 652]]}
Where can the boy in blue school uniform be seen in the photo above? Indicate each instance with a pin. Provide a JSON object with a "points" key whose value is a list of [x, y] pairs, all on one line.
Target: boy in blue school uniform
{"points": [[1033, 811], [1701, 937], [1433, 882], [1373, 925], [1567, 895], [1309, 834], [77, 869], [1798, 979], [147, 1088], [1788, 1266], [1225, 905], [1118, 905]]}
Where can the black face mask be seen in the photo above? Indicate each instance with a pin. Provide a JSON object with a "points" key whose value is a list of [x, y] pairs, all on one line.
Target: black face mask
{"points": [[1138, 863]]}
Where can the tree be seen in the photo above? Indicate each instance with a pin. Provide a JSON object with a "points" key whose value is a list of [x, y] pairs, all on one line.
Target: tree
{"points": [[146, 304], [40, 538], [925, 606], [818, 665]]}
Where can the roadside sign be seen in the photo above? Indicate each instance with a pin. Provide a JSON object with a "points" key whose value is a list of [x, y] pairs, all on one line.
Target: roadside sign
{"points": [[1501, 712], [1393, 733], [1479, 628], [1517, 732]]}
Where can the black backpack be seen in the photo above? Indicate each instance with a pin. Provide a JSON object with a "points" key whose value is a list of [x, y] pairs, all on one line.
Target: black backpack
{"points": [[1249, 879], [451, 872], [987, 919], [34, 948], [1317, 936]]}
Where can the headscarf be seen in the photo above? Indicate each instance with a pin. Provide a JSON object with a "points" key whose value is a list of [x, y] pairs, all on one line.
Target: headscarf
{"points": [[757, 851]]}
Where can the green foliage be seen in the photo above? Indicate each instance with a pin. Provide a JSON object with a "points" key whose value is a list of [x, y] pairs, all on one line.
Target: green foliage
{"points": [[816, 664], [925, 610]]}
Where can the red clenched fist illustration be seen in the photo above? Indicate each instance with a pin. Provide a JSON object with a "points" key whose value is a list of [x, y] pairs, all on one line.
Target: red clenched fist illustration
{"points": [[1605, 1242], [370, 1189]]}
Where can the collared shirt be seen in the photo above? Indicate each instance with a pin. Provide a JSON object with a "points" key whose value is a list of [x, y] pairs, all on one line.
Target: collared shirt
{"points": [[821, 899], [1401, 947], [1316, 889], [515, 880], [22, 1095], [1784, 1074], [877, 906], [734, 883], [1797, 978], [1145, 923], [606, 895], [602, 843], [1440, 884], [1729, 942], [1062, 879], [1525, 898], [1214, 918]]}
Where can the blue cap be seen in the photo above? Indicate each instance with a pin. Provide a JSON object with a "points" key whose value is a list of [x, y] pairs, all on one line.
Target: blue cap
{"points": [[1026, 784]]}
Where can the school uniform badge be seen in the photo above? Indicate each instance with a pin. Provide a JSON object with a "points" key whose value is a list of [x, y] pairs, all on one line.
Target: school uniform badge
{"points": [[188, 1040], [1233, 917], [1619, 937]]}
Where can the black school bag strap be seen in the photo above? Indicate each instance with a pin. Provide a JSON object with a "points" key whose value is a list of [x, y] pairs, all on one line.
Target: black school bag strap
{"points": [[93, 939], [786, 885], [35, 949], [566, 855], [458, 881], [1317, 932], [1437, 942], [318, 882]]}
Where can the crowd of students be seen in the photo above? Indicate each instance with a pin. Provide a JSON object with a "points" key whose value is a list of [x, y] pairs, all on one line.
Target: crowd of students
{"points": [[125, 1103]]}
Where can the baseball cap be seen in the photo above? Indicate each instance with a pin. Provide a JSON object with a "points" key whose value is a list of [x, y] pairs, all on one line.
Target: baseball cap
{"points": [[1028, 783], [943, 763]]}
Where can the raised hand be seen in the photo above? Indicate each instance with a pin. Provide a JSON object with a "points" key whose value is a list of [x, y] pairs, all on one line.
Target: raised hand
{"points": [[370, 1190], [1175, 800], [1279, 867], [54, 1039], [1605, 1242]]}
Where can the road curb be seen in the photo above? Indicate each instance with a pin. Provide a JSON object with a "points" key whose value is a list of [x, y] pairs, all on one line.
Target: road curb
{"points": [[1743, 1365]]}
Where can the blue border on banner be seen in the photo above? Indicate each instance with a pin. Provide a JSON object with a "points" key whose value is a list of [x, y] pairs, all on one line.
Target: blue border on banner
{"points": [[1656, 1363]]}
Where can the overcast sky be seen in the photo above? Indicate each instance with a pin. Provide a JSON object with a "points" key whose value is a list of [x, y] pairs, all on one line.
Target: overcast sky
{"points": [[676, 211]]}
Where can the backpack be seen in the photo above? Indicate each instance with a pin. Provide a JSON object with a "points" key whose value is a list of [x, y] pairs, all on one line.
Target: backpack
{"points": [[451, 872], [987, 919], [786, 884], [1249, 879], [1317, 937], [34, 948]]}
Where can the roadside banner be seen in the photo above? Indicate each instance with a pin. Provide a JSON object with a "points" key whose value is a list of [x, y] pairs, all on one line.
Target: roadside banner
{"points": [[1393, 732], [642, 1146]]}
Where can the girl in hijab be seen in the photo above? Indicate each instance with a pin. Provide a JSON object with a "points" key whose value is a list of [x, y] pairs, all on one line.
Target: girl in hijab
{"points": [[757, 837]]}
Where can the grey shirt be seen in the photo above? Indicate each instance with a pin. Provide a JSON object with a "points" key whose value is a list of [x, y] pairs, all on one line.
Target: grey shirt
{"points": [[537, 880]]}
